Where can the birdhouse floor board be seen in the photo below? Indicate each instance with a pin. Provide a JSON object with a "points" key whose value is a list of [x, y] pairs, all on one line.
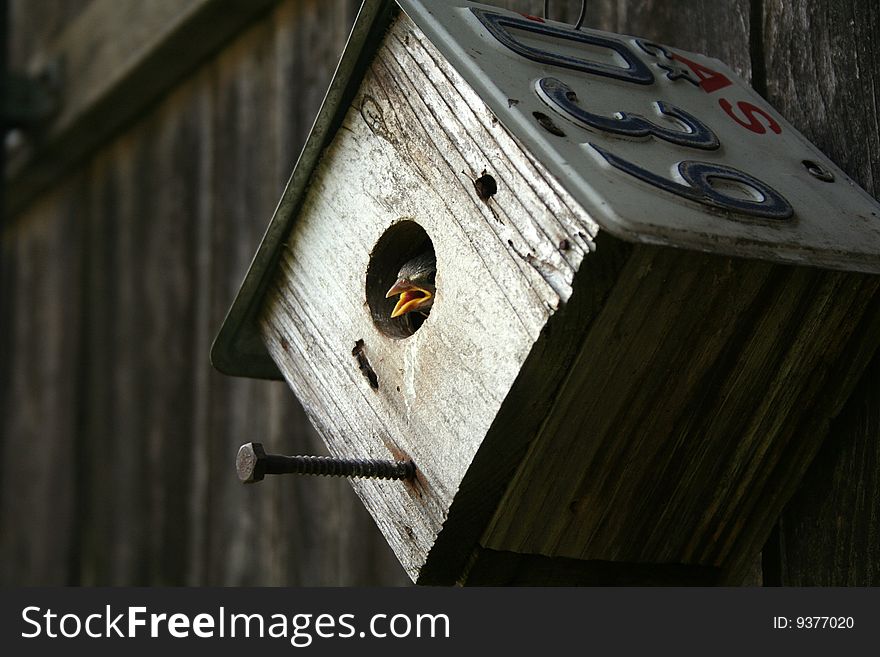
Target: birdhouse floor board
{"points": [[570, 397]]}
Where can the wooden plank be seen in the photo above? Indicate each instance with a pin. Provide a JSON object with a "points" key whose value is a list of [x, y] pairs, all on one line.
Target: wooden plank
{"points": [[523, 274], [40, 283], [330, 538], [113, 499], [119, 56], [704, 431], [687, 351], [36, 31], [829, 532], [296, 531], [717, 29], [112, 286], [51, 534]]}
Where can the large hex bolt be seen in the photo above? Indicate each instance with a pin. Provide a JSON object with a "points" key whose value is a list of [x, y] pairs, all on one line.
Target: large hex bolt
{"points": [[253, 464]]}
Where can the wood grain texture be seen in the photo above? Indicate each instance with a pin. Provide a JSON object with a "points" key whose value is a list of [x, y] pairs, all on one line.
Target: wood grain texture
{"points": [[828, 534], [118, 438], [822, 61], [688, 351], [36, 31], [64, 284], [716, 29], [41, 326], [679, 431], [406, 151], [115, 57]]}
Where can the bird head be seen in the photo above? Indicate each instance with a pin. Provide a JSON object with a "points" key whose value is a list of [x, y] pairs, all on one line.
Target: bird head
{"points": [[415, 285]]}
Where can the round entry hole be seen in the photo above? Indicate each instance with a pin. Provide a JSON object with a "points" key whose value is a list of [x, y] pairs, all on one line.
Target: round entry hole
{"points": [[402, 263]]}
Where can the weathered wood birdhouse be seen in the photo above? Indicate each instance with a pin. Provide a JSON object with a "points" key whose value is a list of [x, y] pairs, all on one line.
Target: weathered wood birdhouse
{"points": [[643, 296]]}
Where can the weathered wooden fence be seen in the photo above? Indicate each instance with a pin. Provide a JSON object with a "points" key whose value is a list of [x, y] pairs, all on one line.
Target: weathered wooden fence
{"points": [[132, 218]]}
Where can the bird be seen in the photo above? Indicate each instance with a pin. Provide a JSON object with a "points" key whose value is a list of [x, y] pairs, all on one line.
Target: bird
{"points": [[415, 285]]}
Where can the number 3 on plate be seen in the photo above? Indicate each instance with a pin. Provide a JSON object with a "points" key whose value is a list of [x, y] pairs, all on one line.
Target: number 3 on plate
{"points": [[561, 98], [766, 202], [759, 201]]}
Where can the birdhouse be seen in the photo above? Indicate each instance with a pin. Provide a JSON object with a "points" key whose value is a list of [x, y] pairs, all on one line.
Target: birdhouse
{"points": [[600, 293]]}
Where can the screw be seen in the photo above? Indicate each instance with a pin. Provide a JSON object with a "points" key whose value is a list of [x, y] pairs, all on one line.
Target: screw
{"points": [[253, 464]]}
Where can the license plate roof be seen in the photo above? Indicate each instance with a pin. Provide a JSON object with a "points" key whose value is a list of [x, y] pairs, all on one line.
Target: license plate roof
{"points": [[627, 127]]}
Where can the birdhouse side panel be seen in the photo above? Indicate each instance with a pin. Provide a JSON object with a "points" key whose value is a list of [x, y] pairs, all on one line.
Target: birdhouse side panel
{"points": [[700, 396], [408, 153]]}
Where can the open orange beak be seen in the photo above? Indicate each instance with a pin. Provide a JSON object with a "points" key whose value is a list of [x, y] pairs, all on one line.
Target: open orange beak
{"points": [[412, 297]]}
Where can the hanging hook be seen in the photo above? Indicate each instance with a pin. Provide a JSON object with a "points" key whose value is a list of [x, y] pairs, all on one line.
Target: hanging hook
{"points": [[583, 15], [580, 20]]}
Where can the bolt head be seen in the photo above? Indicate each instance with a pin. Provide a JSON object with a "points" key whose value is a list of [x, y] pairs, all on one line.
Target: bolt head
{"points": [[251, 463]]}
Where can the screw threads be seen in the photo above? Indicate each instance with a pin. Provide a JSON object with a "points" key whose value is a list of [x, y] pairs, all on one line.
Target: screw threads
{"points": [[334, 467], [253, 464]]}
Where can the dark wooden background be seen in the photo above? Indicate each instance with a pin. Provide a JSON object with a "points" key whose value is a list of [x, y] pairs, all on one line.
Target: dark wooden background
{"points": [[118, 439]]}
